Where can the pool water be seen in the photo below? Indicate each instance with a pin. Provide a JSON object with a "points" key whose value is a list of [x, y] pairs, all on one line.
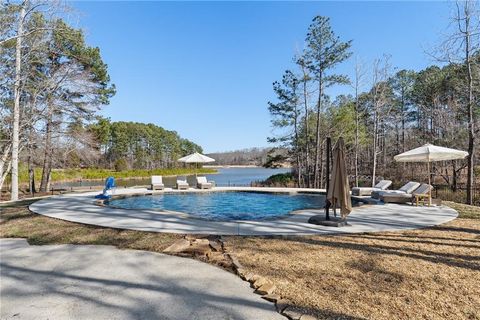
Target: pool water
{"points": [[232, 205]]}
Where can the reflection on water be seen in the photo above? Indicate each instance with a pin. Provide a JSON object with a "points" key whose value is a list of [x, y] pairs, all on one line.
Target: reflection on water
{"points": [[224, 177]]}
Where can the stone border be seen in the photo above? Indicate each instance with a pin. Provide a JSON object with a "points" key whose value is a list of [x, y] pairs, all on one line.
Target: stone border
{"points": [[214, 250]]}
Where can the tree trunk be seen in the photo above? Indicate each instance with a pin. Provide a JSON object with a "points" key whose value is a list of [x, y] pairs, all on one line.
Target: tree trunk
{"points": [[5, 165], [16, 104], [471, 122], [318, 142], [48, 156], [356, 134], [374, 151], [307, 144], [297, 149], [454, 176]]}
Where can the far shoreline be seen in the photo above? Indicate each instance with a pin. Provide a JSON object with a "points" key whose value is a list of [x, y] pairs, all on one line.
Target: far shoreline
{"points": [[240, 166]]}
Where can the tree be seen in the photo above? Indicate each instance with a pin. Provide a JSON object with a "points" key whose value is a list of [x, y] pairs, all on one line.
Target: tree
{"points": [[324, 51], [16, 104], [461, 47], [286, 116], [78, 84], [357, 85], [380, 102], [402, 85], [305, 79]]}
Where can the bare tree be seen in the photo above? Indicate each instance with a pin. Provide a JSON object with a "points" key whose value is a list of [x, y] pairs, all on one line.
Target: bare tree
{"points": [[357, 85], [461, 46], [379, 97]]}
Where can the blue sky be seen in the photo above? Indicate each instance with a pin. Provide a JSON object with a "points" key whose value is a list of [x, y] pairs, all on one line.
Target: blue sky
{"points": [[205, 69]]}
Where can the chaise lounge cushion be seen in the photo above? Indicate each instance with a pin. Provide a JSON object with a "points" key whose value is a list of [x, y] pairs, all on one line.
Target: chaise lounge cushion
{"points": [[157, 182], [423, 189], [202, 183], [407, 188], [366, 191], [181, 184]]}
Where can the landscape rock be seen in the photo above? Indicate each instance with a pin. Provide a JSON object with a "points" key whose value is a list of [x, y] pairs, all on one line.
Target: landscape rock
{"points": [[201, 242], [291, 313], [282, 304], [215, 246], [254, 278], [215, 257], [271, 297], [247, 276], [308, 317], [260, 282], [267, 288], [178, 246], [242, 272], [235, 262]]}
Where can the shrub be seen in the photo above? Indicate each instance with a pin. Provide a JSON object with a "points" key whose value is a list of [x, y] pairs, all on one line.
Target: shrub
{"points": [[280, 180]]}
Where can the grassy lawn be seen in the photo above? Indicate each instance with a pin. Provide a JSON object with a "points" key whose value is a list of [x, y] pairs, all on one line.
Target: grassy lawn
{"points": [[19, 222], [92, 173], [432, 273]]}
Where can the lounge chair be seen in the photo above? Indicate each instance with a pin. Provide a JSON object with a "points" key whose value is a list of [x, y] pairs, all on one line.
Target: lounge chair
{"points": [[365, 191], [421, 193], [202, 183], [157, 183], [182, 184], [407, 188]]}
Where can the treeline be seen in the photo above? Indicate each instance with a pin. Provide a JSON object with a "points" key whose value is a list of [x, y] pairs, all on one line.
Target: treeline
{"points": [[250, 156], [133, 145], [386, 112], [52, 86]]}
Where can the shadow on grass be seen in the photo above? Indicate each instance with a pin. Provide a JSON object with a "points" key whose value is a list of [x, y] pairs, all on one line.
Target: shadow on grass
{"points": [[450, 259]]}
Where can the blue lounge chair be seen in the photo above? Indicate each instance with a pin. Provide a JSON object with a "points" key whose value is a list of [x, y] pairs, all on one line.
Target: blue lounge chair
{"points": [[109, 186]]}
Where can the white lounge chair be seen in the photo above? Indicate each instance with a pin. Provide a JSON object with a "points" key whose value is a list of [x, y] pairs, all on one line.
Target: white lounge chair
{"points": [[423, 192], [408, 188], [182, 184], [157, 183], [366, 191], [202, 183]]}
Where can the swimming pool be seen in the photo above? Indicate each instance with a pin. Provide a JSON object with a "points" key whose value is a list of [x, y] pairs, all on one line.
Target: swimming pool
{"points": [[230, 205]]}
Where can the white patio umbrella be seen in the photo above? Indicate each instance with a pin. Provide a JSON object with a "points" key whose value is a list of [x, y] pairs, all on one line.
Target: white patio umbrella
{"points": [[430, 153], [196, 158]]}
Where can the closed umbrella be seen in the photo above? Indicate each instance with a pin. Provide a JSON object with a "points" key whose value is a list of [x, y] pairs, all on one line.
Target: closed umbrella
{"points": [[339, 191], [429, 153], [196, 158]]}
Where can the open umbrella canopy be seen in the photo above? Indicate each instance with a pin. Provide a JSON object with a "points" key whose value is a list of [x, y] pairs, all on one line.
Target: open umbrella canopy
{"points": [[430, 153], [339, 191], [196, 158]]}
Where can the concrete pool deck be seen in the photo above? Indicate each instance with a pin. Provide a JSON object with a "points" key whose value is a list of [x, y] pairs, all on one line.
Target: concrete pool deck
{"points": [[103, 282], [82, 208]]}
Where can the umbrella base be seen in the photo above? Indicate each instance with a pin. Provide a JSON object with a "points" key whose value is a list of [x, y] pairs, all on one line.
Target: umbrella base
{"points": [[332, 222]]}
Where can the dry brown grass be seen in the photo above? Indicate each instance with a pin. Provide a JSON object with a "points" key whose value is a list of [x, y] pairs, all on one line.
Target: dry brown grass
{"points": [[19, 222], [432, 273]]}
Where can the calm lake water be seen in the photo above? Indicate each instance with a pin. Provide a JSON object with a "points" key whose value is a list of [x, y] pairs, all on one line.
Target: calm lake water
{"points": [[224, 177]]}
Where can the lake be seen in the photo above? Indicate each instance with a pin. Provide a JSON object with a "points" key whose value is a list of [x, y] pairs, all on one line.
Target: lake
{"points": [[224, 177]]}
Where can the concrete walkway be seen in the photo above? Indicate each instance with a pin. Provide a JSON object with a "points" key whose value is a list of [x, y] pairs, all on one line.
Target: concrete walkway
{"points": [[368, 218], [102, 282]]}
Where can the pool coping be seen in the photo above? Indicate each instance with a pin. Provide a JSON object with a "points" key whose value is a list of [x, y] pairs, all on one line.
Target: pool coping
{"points": [[81, 208]]}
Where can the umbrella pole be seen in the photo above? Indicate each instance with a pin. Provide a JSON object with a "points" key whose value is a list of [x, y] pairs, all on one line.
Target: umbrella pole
{"points": [[328, 204], [429, 182]]}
